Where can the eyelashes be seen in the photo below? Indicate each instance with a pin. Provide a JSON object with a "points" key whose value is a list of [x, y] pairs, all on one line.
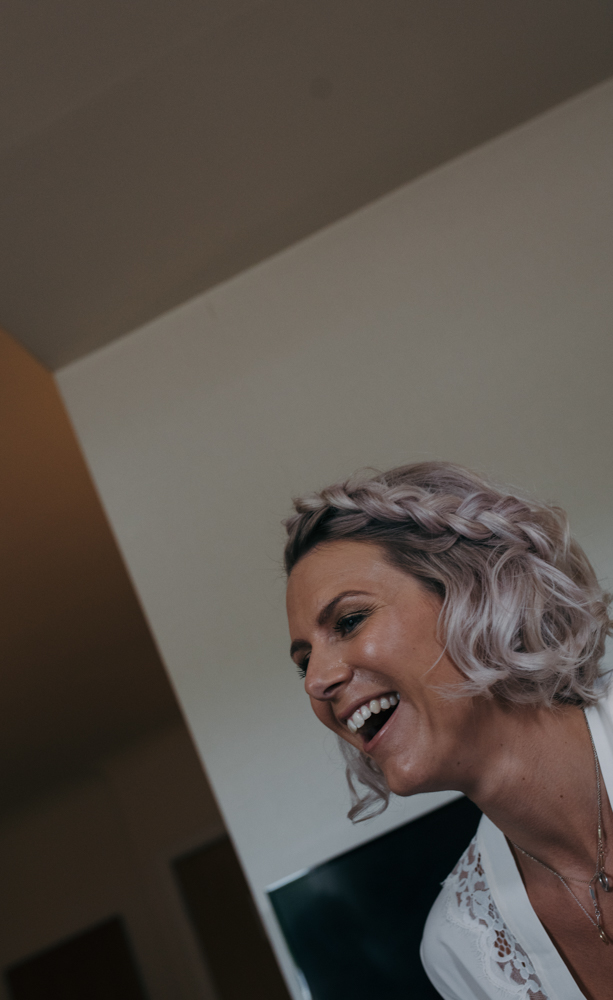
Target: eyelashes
{"points": [[348, 623], [344, 627]]}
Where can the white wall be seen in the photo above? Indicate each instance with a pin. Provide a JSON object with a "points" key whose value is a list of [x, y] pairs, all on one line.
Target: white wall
{"points": [[466, 316], [104, 846]]}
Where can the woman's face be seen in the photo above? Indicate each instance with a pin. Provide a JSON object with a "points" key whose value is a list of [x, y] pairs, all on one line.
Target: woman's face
{"points": [[365, 633]]}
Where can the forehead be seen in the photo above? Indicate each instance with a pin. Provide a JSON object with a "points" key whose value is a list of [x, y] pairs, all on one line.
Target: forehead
{"points": [[337, 566]]}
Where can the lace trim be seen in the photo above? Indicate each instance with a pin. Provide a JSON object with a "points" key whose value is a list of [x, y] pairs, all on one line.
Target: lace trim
{"points": [[470, 904]]}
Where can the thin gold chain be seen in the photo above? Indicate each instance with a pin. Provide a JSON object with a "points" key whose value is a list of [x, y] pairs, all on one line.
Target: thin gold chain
{"points": [[599, 875]]}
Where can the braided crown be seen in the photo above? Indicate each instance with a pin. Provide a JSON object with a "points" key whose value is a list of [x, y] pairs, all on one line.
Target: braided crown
{"points": [[532, 616], [523, 615]]}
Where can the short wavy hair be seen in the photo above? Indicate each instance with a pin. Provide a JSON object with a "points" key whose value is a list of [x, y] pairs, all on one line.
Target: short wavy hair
{"points": [[523, 615]]}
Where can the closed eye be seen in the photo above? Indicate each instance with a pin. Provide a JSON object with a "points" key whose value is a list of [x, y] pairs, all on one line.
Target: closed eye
{"points": [[302, 666]]}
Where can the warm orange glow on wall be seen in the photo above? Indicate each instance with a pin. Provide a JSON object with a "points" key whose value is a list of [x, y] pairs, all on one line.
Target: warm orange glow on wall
{"points": [[79, 672]]}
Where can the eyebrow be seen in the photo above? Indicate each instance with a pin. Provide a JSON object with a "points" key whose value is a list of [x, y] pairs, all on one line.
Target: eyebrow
{"points": [[324, 617]]}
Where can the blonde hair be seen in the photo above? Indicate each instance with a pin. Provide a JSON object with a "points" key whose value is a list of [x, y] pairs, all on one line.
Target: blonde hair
{"points": [[523, 615]]}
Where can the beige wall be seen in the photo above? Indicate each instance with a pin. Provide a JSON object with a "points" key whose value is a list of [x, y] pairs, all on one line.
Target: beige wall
{"points": [[104, 846], [466, 316]]}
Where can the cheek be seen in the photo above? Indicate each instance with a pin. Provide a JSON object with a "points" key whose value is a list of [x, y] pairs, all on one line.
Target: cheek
{"points": [[324, 713], [389, 652], [372, 650]]}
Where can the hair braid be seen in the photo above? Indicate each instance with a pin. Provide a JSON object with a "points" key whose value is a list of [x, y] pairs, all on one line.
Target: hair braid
{"points": [[523, 615]]}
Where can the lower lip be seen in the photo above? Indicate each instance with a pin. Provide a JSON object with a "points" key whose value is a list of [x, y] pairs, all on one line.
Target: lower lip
{"points": [[378, 736]]}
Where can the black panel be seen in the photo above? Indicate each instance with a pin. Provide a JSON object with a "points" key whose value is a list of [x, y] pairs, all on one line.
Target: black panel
{"points": [[354, 924]]}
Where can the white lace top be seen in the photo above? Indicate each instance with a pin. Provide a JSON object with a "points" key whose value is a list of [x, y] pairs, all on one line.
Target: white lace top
{"points": [[482, 939]]}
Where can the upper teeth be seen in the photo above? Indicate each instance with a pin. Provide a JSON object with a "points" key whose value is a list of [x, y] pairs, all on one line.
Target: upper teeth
{"points": [[357, 720]]}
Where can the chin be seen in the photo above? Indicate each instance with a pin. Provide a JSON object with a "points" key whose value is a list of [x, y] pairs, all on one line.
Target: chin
{"points": [[409, 779]]}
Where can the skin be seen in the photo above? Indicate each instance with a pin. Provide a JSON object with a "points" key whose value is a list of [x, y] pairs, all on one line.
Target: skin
{"points": [[531, 770]]}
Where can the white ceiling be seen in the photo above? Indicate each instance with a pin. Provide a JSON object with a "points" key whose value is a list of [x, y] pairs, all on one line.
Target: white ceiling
{"points": [[151, 149]]}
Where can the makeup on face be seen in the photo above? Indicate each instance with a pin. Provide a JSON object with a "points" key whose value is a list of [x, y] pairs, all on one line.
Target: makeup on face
{"points": [[357, 624], [365, 638]]}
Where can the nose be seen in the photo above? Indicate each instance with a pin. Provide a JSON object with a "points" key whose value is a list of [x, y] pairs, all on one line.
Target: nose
{"points": [[326, 674]]}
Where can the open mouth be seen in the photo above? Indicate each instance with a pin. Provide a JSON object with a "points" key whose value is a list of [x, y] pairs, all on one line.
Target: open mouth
{"points": [[370, 717]]}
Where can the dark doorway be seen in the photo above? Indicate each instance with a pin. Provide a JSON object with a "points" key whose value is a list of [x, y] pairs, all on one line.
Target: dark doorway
{"points": [[227, 925], [95, 965]]}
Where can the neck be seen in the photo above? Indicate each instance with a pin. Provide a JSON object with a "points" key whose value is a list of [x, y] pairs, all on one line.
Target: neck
{"points": [[539, 784]]}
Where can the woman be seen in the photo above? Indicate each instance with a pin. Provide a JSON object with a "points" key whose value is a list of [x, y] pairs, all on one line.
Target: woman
{"points": [[451, 633]]}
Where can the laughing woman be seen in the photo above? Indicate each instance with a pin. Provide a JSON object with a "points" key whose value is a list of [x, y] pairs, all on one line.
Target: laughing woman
{"points": [[451, 633]]}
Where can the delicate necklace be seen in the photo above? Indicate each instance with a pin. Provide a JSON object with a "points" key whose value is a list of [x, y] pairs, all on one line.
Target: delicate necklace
{"points": [[599, 875]]}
